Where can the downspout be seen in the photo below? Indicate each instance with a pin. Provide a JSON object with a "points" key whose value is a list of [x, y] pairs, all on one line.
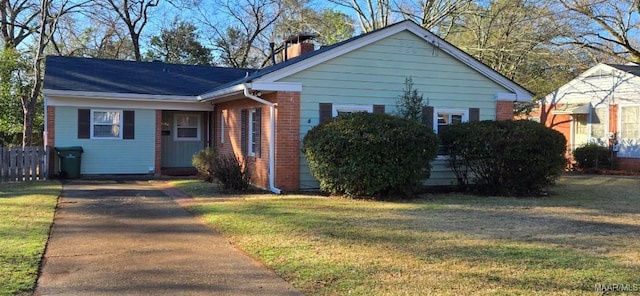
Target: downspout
{"points": [[272, 136]]}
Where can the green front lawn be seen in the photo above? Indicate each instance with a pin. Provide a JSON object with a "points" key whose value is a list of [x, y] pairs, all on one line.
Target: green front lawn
{"points": [[26, 213], [584, 235]]}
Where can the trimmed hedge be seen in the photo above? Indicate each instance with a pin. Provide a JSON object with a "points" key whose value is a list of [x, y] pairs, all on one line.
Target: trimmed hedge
{"points": [[370, 155], [592, 156], [505, 157]]}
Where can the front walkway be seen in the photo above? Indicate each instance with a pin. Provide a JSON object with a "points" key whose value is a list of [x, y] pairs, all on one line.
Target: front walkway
{"points": [[129, 238]]}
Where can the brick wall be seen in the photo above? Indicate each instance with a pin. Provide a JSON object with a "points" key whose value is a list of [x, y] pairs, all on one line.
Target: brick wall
{"points": [[286, 133], [628, 164], [504, 110]]}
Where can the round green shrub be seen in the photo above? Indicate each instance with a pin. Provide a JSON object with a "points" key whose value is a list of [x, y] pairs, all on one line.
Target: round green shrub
{"points": [[370, 155], [205, 162], [505, 157], [592, 156]]}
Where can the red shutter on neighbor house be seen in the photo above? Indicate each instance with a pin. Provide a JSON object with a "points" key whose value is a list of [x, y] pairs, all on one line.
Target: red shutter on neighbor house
{"points": [[243, 131], [427, 116], [84, 123], [326, 112], [379, 109], [474, 114], [128, 124]]}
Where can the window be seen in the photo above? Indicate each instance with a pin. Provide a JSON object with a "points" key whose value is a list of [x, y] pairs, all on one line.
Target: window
{"points": [[186, 127], [106, 124], [346, 109], [580, 123], [446, 117], [599, 122], [630, 122], [254, 131]]}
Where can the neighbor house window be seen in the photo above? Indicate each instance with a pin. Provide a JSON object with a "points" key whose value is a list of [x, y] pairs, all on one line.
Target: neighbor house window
{"points": [[106, 124], [599, 122], [186, 127], [630, 122]]}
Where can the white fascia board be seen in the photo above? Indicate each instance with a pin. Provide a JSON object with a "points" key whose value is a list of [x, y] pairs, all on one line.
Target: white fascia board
{"points": [[118, 96], [275, 86], [232, 90], [120, 104]]}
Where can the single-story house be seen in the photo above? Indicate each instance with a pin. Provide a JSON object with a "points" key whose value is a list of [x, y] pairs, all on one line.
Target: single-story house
{"points": [[151, 117], [601, 105]]}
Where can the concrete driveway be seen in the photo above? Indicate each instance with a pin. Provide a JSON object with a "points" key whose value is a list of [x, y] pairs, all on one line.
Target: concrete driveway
{"points": [[129, 238]]}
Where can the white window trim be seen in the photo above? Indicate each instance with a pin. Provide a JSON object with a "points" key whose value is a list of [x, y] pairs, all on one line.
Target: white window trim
{"points": [[604, 121], [119, 123], [250, 118], [198, 126], [464, 112], [351, 108], [465, 118]]}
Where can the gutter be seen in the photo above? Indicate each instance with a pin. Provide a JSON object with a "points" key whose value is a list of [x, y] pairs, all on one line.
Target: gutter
{"points": [[272, 136]]}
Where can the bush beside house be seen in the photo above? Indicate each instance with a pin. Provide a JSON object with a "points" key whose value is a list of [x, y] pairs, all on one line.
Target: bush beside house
{"points": [[505, 157], [227, 169], [592, 156], [370, 155]]}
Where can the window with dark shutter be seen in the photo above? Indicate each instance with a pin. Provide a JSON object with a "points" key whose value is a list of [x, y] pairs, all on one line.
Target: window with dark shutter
{"points": [[128, 124], [84, 123]]}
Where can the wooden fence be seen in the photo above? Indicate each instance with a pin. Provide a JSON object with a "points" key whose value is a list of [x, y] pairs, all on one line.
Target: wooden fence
{"points": [[23, 163]]}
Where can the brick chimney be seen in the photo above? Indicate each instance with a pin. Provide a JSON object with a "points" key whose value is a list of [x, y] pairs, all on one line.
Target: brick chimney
{"points": [[298, 45]]}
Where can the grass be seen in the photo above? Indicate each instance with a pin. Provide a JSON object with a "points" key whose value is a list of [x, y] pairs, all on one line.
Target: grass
{"points": [[586, 234], [26, 213]]}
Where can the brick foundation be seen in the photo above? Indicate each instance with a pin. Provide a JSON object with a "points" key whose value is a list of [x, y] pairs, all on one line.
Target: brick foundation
{"points": [[628, 164]]}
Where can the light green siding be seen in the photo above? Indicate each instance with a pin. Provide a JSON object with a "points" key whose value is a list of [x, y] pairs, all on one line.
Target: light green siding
{"points": [[107, 156], [375, 74]]}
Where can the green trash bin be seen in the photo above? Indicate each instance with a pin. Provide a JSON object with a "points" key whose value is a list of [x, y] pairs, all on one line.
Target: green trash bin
{"points": [[70, 159]]}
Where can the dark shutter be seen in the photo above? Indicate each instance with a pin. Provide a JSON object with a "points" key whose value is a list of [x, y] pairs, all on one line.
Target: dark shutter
{"points": [[427, 116], [243, 131], [378, 109], [326, 112], [84, 123], [128, 124], [474, 114], [257, 131]]}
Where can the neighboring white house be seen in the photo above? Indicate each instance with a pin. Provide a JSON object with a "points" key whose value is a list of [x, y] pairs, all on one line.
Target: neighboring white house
{"points": [[602, 106]]}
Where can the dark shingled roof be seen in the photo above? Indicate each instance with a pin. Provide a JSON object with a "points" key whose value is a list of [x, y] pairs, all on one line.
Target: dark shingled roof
{"points": [[153, 78], [632, 69]]}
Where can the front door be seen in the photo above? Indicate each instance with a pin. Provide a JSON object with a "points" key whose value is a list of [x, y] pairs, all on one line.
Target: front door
{"points": [[183, 135], [580, 131]]}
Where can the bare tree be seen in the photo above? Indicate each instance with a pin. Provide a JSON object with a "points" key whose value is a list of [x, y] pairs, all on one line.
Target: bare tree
{"points": [[241, 29], [438, 16], [608, 27], [135, 16], [371, 14], [18, 19]]}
